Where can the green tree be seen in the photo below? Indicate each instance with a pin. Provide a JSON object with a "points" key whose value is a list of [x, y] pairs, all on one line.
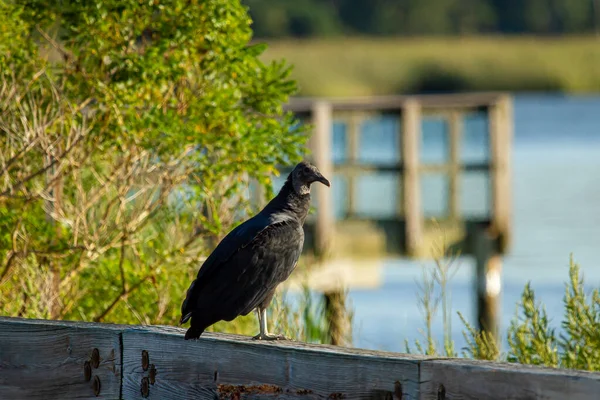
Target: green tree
{"points": [[129, 132], [299, 18]]}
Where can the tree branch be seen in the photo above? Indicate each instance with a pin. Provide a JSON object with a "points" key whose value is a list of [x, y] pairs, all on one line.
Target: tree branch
{"points": [[122, 296]]}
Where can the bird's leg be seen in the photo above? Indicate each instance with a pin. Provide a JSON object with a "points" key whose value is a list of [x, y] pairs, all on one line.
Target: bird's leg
{"points": [[264, 333], [260, 324]]}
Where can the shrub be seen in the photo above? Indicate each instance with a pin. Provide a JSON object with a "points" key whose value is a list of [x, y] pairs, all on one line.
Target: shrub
{"points": [[129, 133], [531, 338]]}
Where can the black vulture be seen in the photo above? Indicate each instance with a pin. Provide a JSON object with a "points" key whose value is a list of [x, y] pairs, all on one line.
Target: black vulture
{"points": [[245, 268]]}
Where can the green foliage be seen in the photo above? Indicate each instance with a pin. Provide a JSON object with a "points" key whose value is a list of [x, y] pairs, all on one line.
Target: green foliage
{"points": [[433, 292], [17, 51], [530, 337], [533, 341], [276, 18], [580, 344], [305, 321], [481, 345], [300, 18], [129, 133]]}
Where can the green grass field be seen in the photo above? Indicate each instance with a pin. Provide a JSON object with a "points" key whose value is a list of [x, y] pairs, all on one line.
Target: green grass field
{"points": [[359, 66]]}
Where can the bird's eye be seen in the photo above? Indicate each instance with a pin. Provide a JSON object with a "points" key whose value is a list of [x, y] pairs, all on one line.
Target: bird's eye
{"points": [[306, 170]]}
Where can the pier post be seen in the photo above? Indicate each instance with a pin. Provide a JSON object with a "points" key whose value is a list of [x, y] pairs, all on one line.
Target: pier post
{"points": [[411, 136], [501, 133], [320, 145], [488, 279], [352, 149], [455, 124]]}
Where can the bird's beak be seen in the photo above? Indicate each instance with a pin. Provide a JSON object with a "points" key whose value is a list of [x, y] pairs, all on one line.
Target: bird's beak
{"points": [[323, 180]]}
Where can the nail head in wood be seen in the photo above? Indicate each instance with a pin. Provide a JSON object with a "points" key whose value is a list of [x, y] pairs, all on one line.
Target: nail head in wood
{"points": [[95, 358], [145, 387], [152, 374], [398, 390], [145, 360], [441, 395], [96, 386], [87, 371]]}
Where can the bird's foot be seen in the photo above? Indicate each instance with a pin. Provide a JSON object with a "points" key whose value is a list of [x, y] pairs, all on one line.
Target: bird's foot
{"points": [[261, 336]]}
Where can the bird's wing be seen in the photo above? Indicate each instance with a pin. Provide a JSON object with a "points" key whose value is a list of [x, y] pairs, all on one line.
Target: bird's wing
{"points": [[272, 262], [249, 276], [235, 241]]}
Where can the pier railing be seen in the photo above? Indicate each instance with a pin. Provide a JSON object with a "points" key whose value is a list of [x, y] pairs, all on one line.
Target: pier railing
{"points": [[72, 360], [408, 231]]}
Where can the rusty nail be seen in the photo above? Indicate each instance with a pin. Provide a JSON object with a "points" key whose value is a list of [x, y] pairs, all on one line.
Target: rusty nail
{"points": [[87, 371], [398, 390], [152, 374], [441, 395], [145, 360], [95, 358], [145, 387], [96, 385]]}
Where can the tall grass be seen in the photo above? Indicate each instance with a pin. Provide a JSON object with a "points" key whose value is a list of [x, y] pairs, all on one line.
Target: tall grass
{"points": [[531, 338], [359, 66]]}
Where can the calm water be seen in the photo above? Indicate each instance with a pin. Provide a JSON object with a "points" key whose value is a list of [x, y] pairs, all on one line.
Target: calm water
{"points": [[556, 197]]}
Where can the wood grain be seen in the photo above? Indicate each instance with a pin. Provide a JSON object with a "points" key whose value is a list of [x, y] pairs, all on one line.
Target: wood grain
{"points": [[477, 380], [235, 366], [45, 360]]}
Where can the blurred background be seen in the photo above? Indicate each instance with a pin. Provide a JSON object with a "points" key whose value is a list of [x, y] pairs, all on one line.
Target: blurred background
{"points": [[544, 53]]}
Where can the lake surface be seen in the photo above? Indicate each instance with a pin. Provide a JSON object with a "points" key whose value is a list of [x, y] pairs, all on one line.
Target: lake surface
{"points": [[556, 200]]}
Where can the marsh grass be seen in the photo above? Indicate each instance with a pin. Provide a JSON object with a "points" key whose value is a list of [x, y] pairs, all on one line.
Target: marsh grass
{"points": [[530, 336], [433, 293], [362, 67]]}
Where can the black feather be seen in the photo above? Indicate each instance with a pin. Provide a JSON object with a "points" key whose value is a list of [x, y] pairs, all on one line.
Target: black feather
{"points": [[249, 263]]}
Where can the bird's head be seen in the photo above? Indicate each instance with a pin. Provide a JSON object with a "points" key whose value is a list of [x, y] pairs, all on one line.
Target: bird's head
{"points": [[303, 175]]}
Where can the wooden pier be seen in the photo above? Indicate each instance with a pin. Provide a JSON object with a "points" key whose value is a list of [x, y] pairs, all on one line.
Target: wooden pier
{"points": [[407, 231], [72, 360]]}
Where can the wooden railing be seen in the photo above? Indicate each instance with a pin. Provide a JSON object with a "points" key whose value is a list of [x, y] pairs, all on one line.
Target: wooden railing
{"points": [[407, 231], [72, 360]]}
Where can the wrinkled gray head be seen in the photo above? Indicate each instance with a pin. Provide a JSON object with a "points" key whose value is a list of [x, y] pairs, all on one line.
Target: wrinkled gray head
{"points": [[303, 175]]}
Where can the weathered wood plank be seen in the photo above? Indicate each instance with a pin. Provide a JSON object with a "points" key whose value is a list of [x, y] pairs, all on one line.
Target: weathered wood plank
{"points": [[46, 360], [395, 103], [478, 380], [226, 364]]}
